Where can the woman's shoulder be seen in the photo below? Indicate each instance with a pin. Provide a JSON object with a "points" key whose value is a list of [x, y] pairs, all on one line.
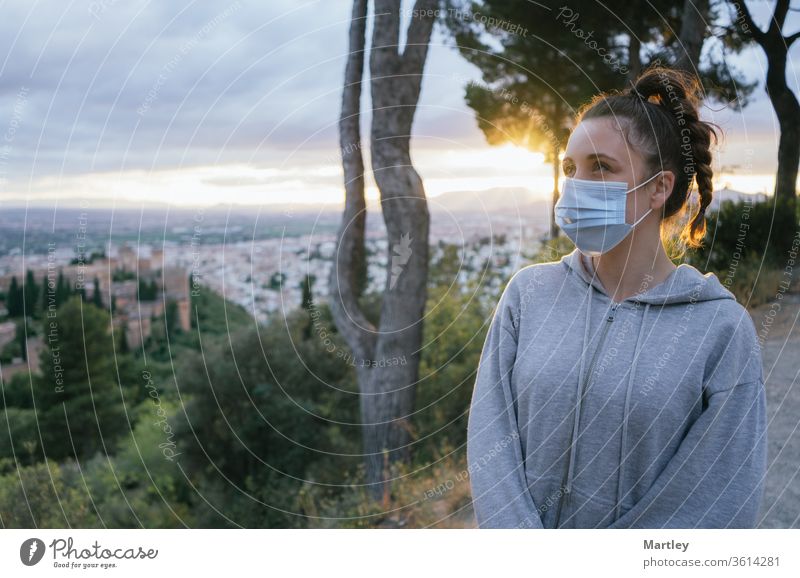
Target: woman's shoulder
{"points": [[536, 275], [735, 350]]}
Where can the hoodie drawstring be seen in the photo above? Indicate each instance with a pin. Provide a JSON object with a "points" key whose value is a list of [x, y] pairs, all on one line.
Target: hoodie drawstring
{"points": [[576, 423], [623, 442]]}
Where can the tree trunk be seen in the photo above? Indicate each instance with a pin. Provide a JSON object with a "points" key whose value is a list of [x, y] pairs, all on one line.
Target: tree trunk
{"points": [[350, 255], [387, 359], [787, 110], [692, 35], [634, 50]]}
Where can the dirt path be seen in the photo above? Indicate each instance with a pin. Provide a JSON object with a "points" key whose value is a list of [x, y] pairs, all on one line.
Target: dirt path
{"points": [[779, 330]]}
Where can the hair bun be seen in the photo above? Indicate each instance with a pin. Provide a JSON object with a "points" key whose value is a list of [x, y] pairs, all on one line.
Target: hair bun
{"points": [[669, 85]]}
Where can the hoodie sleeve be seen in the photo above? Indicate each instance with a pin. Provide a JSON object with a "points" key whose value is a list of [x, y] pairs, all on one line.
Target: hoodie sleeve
{"points": [[500, 493], [716, 478]]}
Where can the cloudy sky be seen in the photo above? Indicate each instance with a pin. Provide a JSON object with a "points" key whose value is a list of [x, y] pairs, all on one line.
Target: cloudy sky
{"points": [[200, 103]]}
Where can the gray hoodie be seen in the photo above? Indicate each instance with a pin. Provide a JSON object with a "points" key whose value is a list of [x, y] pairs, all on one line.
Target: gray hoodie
{"points": [[667, 431]]}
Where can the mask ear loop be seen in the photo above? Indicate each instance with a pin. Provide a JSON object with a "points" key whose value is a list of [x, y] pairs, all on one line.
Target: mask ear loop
{"points": [[639, 220], [644, 183]]}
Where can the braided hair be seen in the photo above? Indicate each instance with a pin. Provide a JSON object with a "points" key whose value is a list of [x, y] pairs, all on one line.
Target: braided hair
{"points": [[659, 117]]}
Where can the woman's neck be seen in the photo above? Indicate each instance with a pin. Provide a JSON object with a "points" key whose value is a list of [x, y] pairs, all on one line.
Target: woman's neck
{"points": [[626, 274]]}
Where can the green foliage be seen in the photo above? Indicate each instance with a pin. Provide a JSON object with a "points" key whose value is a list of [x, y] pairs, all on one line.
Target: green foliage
{"points": [[97, 297], [77, 395], [455, 328], [148, 291], [19, 434], [31, 293], [17, 391], [122, 275], [212, 314], [742, 228], [45, 495], [260, 409], [14, 301], [742, 248]]}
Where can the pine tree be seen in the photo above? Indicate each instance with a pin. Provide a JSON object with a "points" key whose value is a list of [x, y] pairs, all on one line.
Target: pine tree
{"points": [[31, 293], [14, 302], [97, 298], [62, 289], [77, 395]]}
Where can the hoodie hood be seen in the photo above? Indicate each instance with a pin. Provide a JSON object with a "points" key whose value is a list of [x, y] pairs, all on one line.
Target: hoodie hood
{"points": [[683, 285]]}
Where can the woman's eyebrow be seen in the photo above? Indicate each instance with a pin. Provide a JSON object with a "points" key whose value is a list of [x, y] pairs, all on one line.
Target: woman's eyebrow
{"points": [[599, 156]]}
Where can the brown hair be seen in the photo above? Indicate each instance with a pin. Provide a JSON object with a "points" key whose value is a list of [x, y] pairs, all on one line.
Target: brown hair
{"points": [[659, 117]]}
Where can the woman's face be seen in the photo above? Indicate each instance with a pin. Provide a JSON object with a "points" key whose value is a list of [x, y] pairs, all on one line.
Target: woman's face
{"points": [[598, 151]]}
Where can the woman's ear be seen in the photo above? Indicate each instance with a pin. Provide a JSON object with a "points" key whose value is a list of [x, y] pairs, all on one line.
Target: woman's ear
{"points": [[664, 185]]}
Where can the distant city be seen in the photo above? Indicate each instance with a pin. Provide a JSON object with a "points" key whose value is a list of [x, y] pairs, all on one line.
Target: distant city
{"points": [[143, 260]]}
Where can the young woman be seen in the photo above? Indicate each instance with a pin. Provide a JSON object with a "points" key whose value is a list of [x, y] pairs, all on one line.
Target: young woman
{"points": [[616, 390]]}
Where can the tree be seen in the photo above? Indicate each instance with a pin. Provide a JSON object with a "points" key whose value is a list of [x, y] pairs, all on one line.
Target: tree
{"points": [[77, 397], [307, 302], [63, 290], [30, 291], [14, 302], [171, 318], [97, 298], [558, 56], [776, 48], [47, 294], [396, 78], [123, 346], [305, 288]]}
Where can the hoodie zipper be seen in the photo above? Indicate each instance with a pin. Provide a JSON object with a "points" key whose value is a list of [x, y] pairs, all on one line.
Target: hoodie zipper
{"points": [[568, 491]]}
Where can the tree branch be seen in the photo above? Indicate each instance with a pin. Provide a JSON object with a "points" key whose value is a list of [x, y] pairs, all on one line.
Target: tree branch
{"points": [[779, 17], [419, 31], [757, 34], [350, 256]]}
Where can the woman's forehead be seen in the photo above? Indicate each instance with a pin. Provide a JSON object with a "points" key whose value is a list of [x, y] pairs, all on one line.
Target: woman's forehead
{"points": [[597, 136]]}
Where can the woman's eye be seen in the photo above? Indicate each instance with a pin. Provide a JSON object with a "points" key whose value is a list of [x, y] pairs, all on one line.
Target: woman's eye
{"points": [[601, 166], [568, 170]]}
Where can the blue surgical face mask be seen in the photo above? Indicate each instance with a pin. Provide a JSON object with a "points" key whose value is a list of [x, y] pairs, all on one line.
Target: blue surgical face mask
{"points": [[592, 213]]}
